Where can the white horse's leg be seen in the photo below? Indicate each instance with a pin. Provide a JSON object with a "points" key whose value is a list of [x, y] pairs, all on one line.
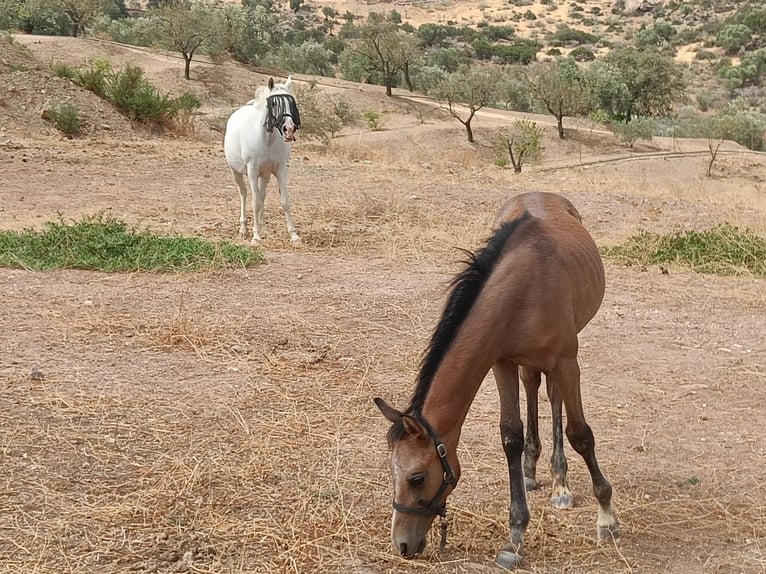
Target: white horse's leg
{"points": [[258, 185], [285, 202], [239, 179]]}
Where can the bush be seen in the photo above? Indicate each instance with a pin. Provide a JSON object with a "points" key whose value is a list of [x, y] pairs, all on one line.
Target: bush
{"points": [[95, 78], [65, 117], [634, 130], [582, 54], [373, 120], [133, 94], [65, 71]]}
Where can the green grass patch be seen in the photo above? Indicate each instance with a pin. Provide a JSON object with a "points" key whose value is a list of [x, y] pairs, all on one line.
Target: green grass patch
{"points": [[102, 243], [722, 250]]}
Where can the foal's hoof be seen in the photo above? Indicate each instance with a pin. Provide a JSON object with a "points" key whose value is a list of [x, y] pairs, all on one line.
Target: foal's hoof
{"points": [[508, 559], [562, 501], [608, 533], [529, 483], [295, 240]]}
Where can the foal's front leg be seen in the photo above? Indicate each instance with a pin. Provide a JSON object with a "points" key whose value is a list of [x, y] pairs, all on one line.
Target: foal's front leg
{"points": [[512, 433], [531, 380]]}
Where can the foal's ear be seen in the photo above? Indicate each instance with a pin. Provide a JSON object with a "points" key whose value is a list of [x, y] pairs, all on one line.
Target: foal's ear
{"points": [[413, 427], [388, 411], [271, 83]]}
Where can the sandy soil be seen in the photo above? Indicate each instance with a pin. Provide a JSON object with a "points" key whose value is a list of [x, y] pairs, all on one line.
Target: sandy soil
{"points": [[223, 422]]}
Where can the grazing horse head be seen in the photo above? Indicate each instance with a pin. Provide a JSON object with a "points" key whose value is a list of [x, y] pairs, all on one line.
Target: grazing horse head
{"points": [[423, 476], [282, 112]]}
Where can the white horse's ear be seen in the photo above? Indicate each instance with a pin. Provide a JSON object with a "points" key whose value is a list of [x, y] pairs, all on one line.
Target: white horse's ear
{"points": [[388, 411], [271, 83], [288, 82]]}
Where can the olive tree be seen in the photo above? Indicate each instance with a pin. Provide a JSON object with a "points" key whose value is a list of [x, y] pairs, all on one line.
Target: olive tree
{"points": [[189, 26], [561, 88], [466, 91]]}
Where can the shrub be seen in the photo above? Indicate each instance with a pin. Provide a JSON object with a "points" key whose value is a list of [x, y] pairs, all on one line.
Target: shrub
{"points": [[65, 71], [373, 120], [582, 54], [65, 117], [95, 78], [634, 130]]}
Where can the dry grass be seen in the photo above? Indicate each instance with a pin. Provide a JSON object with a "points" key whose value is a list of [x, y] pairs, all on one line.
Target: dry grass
{"points": [[281, 469]]}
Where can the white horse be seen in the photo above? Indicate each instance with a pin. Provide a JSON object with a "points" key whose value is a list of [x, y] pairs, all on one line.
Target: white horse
{"points": [[254, 148]]}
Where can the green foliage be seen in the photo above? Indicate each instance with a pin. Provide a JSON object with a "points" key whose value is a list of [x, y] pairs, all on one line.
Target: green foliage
{"points": [[103, 243], [373, 120], [733, 37], [323, 117], [470, 87], [742, 126], [62, 70], [254, 32], [135, 97], [519, 53], [65, 117], [640, 83], [309, 58], [560, 86], [565, 35], [722, 250], [188, 27], [582, 54], [659, 35], [132, 94], [96, 77], [629, 132], [523, 144]]}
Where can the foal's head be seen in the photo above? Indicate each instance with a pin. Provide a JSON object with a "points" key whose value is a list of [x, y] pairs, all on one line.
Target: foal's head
{"points": [[422, 476]]}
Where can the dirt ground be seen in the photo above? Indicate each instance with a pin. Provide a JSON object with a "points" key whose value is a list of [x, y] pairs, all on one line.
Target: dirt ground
{"points": [[223, 421]]}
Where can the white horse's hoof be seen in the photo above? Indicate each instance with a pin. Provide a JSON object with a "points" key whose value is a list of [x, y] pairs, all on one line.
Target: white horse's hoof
{"points": [[255, 241], [295, 240]]}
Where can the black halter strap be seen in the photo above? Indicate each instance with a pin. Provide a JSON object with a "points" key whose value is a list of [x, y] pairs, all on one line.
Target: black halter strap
{"points": [[435, 507]]}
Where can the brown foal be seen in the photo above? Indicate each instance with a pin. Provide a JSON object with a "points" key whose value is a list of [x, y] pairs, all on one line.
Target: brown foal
{"points": [[517, 309]]}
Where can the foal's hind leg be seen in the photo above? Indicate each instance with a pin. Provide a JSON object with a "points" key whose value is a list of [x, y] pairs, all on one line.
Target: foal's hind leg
{"points": [[566, 378], [561, 496], [512, 433], [531, 380]]}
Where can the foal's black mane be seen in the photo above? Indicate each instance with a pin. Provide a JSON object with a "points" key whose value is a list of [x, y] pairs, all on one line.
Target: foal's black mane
{"points": [[464, 290]]}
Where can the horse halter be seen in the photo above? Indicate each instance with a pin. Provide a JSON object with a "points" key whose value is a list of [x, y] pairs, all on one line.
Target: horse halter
{"points": [[434, 507]]}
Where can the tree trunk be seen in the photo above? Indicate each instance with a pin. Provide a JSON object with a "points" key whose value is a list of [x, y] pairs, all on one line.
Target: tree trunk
{"points": [[560, 126], [468, 129], [407, 79], [516, 166], [187, 66]]}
